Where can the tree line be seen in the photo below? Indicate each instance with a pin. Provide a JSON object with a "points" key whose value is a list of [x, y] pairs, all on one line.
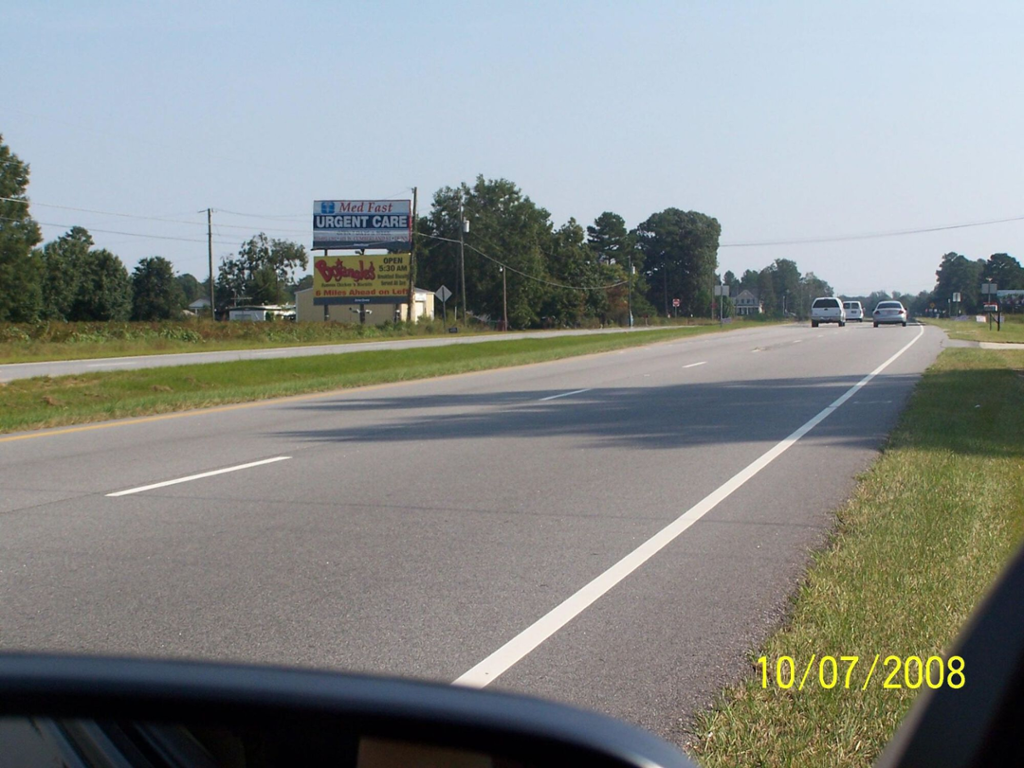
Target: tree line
{"points": [[564, 275]]}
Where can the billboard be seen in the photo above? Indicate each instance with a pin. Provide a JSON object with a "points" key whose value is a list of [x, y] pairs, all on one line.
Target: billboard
{"points": [[358, 224], [373, 279]]}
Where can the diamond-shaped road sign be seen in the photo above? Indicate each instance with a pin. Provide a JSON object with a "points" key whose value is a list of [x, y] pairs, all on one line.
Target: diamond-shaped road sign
{"points": [[443, 293]]}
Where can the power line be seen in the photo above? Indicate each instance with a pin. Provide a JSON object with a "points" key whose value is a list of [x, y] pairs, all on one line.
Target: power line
{"points": [[118, 232], [530, 277], [869, 235], [150, 218]]}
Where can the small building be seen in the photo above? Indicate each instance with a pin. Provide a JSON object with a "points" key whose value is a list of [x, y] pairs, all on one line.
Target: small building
{"points": [[376, 313], [747, 303], [262, 312], [200, 306]]}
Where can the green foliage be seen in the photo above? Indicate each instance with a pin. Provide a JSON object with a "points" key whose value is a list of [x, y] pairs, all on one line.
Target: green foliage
{"points": [[82, 283], [158, 295], [680, 257], [957, 274], [20, 289], [261, 273], [191, 288], [105, 291], [1005, 271]]}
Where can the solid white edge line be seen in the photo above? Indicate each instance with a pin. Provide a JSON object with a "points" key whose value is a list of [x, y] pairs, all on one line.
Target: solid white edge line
{"points": [[201, 475], [694, 365], [564, 394], [488, 670]]}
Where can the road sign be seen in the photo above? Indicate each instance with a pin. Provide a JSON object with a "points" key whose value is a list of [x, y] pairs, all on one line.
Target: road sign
{"points": [[443, 293], [956, 297], [721, 290], [675, 302], [988, 288]]}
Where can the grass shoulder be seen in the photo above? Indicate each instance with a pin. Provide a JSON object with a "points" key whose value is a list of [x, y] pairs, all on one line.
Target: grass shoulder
{"points": [[971, 330], [929, 527]]}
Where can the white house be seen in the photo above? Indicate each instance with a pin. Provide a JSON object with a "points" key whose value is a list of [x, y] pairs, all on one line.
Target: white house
{"points": [[748, 304]]}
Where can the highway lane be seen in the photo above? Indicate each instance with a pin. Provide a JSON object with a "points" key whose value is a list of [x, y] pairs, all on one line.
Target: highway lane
{"points": [[417, 528], [12, 371]]}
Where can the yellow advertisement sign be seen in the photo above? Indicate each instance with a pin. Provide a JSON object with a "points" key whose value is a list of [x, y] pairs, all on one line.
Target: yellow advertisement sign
{"points": [[376, 279]]}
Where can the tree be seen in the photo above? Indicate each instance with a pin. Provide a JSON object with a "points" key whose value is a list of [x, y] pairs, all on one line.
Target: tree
{"points": [[64, 261], [157, 294], [20, 276], [191, 288], [104, 289], [957, 274], [1005, 271], [681, 255], [261, 272], [508, 228], [609, 239]]}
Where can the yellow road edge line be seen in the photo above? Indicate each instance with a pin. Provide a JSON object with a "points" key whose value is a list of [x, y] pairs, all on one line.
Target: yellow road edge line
{"points": [[294, 398]]}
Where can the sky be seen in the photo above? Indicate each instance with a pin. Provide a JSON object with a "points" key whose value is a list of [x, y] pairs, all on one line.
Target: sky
{"points": [[786, 121]]}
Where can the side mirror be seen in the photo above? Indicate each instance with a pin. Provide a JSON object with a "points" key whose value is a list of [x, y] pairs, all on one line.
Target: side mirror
{"points": [[101, 711], [978, 723]]}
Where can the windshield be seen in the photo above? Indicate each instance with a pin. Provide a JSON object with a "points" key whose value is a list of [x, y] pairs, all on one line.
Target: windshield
{"points": [[501, 344]]}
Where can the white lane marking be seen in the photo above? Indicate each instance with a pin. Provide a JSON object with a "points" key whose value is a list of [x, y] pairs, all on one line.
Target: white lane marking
{"points": [[564, 394], [694, 365], [488, 670], [798, 341], [201, 475]]}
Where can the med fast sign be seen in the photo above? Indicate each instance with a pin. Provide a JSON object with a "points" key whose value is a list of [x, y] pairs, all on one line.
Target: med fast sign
{"points": [[358, 224]]}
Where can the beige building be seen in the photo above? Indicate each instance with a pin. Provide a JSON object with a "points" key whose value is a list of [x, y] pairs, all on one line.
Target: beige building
{"points": [[377, 314]]}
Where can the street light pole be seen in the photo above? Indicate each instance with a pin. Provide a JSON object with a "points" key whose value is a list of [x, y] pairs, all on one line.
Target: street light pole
{"points": [[462, 260]]}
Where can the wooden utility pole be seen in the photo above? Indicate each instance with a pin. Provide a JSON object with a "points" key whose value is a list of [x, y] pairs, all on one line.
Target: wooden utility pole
{"points": [[209, 253], [412, 261]]}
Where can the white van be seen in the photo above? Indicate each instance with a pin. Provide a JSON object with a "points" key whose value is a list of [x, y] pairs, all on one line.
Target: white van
{"points": [[854, 311]]}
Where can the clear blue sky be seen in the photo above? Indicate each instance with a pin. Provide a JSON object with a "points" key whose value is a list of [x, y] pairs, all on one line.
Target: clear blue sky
{"points": [[782, 119]]}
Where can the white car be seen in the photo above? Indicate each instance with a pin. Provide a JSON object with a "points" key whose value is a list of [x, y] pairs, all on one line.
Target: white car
{"points": [[827, 309], [854, 311], [889, 313]]}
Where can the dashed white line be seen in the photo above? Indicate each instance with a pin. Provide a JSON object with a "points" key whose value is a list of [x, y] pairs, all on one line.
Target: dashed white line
{"points": [[564, 394], [694, 365], [797, 341], [201, 475], [488, 670]]}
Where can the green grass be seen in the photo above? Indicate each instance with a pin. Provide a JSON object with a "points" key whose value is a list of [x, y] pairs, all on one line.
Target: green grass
{"points": [[47, 341], [971, 330], [49, 402], [929, 528]]}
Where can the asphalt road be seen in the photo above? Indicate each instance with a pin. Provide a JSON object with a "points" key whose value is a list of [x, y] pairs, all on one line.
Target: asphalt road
{"points": [[418, 528], [12, 371]]}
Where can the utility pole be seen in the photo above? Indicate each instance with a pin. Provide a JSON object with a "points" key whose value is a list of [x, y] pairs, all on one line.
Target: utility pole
{"points": [[463, 228], [412, 260], [209, 253], [629, 290], [504, 300]]}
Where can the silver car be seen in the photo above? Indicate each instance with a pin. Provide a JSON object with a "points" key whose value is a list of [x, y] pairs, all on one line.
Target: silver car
{"points": [[889, 312]]}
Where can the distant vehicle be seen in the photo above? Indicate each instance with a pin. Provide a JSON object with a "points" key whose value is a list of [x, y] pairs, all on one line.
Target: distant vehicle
{"points": [[827, 309], [888, 313], [854, 311]]}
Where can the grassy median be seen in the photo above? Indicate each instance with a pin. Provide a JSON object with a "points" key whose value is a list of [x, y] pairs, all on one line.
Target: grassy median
{"points": [[928, 530], [50, 402], [45, 341]]}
